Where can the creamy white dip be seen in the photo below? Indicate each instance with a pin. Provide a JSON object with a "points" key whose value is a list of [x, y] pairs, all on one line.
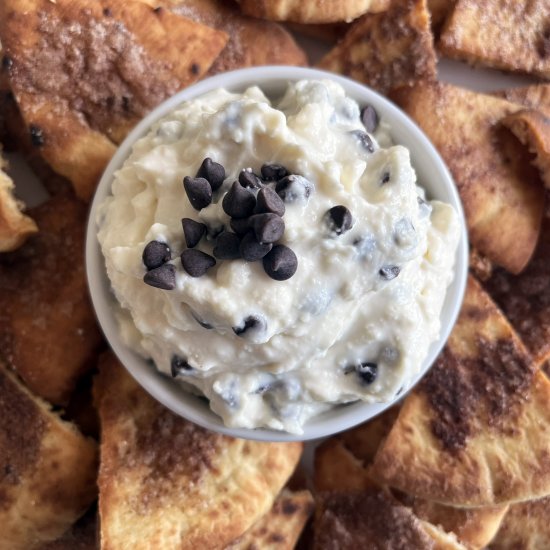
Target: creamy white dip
{"points": [[341, 309]]}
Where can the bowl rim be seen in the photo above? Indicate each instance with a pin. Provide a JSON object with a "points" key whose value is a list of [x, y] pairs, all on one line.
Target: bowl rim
{"points": [[161, 387]]}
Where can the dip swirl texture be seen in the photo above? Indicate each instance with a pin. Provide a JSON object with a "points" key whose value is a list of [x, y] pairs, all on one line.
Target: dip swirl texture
{"points": [[356, 319]]}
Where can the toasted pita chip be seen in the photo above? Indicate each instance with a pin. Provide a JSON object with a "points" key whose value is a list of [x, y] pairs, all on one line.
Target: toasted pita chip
{"points": [[502, 194], [525, 298], [532, 128], [166, 483], [81, 536], [15, 227], [76, 110], [252, 42], [48, 469], [48, 331], [342, 463], [281, 527], [316, 11], [504, 34], [476, 431], [533, 97], [373, 519], [387, 50], [525, 527]]}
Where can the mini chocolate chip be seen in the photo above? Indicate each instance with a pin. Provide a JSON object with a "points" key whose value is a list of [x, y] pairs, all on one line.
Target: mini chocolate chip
{"points": [[213, 172], [178, 366], [7, 62], [251, 249], [198, 191], [227, 246], [250, 180], [339, 219], [389, 272], [281, 263], [268, 228], [196, 262], [268, 201], [240, 226], [195, 68], [364, 139], [193, 231], [250, 324], [37, 135], [162, 277], [294, 188], [274, 172], [367, 372], [369, 118], [385, 178], [155, 254], [238, 202]]}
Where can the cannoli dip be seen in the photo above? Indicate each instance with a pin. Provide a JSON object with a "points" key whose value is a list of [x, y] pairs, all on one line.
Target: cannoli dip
{"points": [[278, 257]]}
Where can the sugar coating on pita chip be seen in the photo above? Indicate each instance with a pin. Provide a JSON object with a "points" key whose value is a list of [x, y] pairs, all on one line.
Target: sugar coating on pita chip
{"points": [[532, 128], [48, 469], [252, 42], [315, 11], [476, 431], [525, 298], [281, 527], [126, 58], [158, 471], [525, 527], [48, 331], [504, 34], [535, 97], [15, 227], [387, 50], [501, 192]]}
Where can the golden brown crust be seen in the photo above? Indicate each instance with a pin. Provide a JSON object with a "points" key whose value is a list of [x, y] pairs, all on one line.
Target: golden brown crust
{"points": [[505, 34], [127, 60], [15, 227], [157, 470], [315, 11], [48, 332], [387, 50], [501, 192], [48, 469], [281, 527], [476, 432]]}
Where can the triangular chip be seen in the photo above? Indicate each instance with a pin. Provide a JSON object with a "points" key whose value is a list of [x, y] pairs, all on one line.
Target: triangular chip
{"points": [[532, 97], [476, 431], [387, 50], [525, 527], [83, 73], [48, 331], [47, 469], [525, 298], [167, 483], [252, 42], [281, 527], [316, 11], [502, 194], [15, 227], [373, 519], [532, 128], [504, 34]]}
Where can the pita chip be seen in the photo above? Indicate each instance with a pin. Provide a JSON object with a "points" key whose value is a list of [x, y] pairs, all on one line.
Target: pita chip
{"points": [[387, 50], [476, 431], [48, 469], [501, 192], [167, 483], [81, 536], [535, 97], [504, 34]]}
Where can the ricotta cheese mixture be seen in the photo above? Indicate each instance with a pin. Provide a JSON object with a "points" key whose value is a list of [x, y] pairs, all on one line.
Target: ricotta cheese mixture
{"points": [[343, 306]]}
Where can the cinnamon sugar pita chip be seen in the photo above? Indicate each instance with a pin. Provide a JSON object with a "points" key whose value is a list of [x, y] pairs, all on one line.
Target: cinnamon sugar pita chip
{"points": [[535, 97], [504, 34], [502, 194], [476, 431], [387, 50], [83, 73]]}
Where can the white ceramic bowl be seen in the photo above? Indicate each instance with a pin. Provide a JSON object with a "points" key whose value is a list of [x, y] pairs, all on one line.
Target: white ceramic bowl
{"points": [[431, 171]]}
